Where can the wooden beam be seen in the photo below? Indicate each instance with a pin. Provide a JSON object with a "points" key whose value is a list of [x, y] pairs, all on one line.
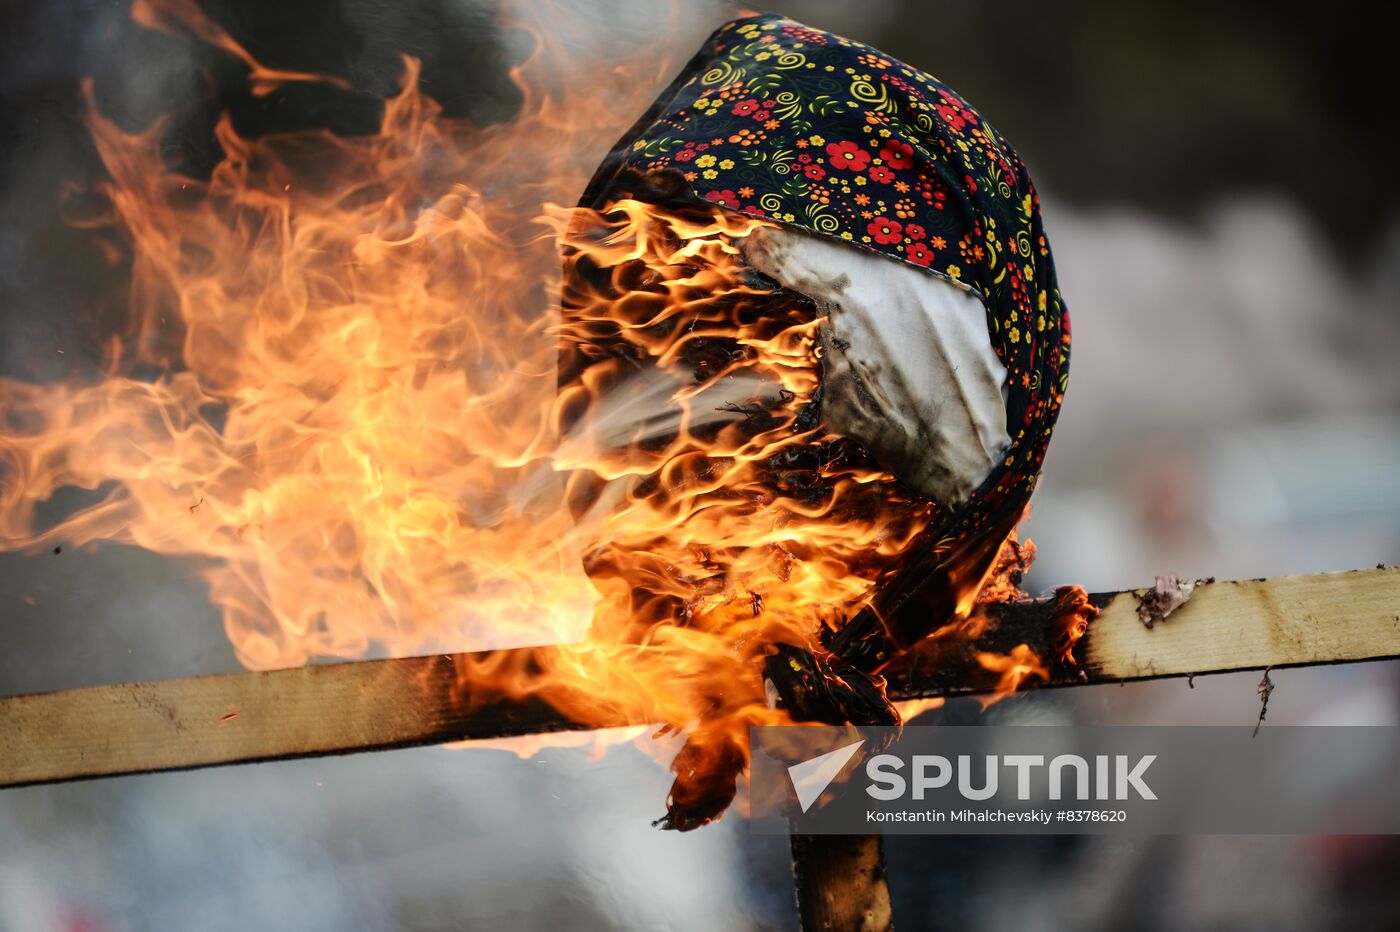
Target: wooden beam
{"points": [[840, 883], [1249, 624], [248, 717], [379, 705]]}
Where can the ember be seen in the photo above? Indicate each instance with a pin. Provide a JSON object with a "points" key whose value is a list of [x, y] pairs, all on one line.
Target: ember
{"points": [[1072, 613]]}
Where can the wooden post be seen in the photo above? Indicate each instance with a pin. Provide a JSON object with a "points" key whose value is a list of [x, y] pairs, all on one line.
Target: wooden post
{"points": [[841, 885]]}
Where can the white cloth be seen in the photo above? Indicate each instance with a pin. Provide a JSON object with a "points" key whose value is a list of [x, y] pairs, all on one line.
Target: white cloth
{"points": [[910, 371]]}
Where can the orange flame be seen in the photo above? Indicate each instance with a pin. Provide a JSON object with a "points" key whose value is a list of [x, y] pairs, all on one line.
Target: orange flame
{"points": [[1015, 668], [359, 439], [357, 382]]}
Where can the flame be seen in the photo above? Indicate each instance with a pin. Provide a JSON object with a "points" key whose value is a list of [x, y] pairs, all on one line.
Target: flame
{"points": [[358, 436], [911, 708], [1015, 668], [356, 380]]}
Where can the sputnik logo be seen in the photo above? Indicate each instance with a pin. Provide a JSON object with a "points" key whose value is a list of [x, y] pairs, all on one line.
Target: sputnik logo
{"points": [[811, 777]]}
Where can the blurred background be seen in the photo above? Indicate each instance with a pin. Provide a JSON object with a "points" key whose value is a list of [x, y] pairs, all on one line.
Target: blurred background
{"points": [[1218, 193]]}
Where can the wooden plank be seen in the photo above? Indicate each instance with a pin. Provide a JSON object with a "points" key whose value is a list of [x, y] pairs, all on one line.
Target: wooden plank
{"points": [[840, 883], [1252, 624], [1284, 621], [378, 705], [249, 717]]}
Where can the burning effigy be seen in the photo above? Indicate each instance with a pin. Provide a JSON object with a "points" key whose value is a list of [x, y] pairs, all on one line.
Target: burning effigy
{"points": [[833, 272], [772, 425]]}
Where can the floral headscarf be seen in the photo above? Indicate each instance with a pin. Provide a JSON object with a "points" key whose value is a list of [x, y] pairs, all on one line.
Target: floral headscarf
{"points": [[814, 131]]}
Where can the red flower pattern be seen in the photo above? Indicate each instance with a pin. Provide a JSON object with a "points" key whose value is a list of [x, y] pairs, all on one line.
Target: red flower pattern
{"points": [[724, 198], [896, 154], [952, 116], [885, 230], [847, 155]]}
